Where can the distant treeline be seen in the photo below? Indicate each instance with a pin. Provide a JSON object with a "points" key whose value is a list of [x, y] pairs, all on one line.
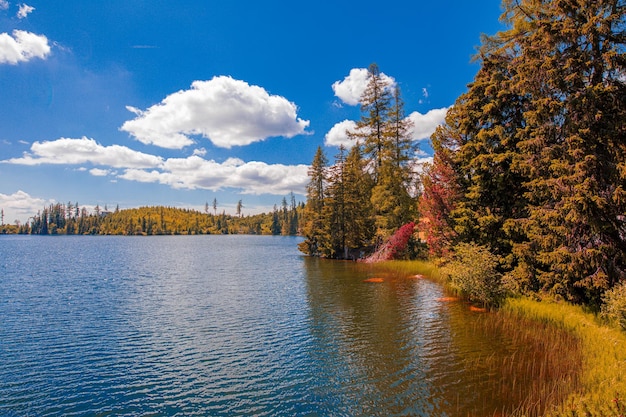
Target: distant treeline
{"points": [[70, 219]]}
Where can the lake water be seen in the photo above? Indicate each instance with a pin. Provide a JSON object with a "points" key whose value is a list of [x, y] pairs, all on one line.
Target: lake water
{"points": [[228, 325]]}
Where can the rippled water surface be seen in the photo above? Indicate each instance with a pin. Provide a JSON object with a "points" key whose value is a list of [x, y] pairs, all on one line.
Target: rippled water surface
{"points": [[224, 325]]}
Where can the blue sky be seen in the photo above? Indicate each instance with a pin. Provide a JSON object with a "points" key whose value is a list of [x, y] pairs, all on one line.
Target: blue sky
{"points": [[136, 103]]}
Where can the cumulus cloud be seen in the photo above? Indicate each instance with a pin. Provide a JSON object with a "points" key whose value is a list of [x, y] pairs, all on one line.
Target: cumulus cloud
{"points": [[249, 177], [337, 135], [80, 151], [351, 88], [22, 46], [20, 205], [424, 125], [193, 172], [24, 11], [98, 172], [226, 111]]}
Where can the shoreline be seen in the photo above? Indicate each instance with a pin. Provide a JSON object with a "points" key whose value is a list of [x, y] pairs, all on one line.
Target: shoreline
{"points": [[602, 378]]}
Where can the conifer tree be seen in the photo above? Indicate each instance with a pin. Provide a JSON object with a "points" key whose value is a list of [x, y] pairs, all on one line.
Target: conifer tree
{"points": [[313, 221], [372, 129], [359, 219], [334, 212], [399, 130], [571, 63], [536, 149]]}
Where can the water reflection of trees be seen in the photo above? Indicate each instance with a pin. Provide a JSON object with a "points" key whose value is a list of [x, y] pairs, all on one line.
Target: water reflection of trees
{"points": [[368, 339], [393, 349]]}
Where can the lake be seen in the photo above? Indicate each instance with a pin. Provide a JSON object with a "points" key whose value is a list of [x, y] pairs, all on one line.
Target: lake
{"points": [[232, 325]]}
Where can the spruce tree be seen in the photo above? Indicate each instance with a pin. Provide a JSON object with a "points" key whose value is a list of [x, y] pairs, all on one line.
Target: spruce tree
{"points": [[570, 61], [334, 212], [533, 155], [359, 218], [313, 221], [372, 129]]}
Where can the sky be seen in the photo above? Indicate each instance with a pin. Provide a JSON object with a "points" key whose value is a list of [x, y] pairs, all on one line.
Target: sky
{"points": [[129, 103]]}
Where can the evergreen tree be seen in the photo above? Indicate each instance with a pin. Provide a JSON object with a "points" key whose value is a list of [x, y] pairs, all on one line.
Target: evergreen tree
{"points": [[275, 228], [532, 157], [313, 220], [372, 129], [399, 130], [570, 61], [293, 217], [359, 218], [239, 207], [334, 212]]}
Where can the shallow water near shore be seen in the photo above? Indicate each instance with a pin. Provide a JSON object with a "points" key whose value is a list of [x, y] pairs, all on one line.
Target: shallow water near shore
{"points": [[238, 325]]}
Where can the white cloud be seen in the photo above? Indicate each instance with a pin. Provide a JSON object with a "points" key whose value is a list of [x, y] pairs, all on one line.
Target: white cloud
{"points": [[22, 47], [337, 134], [422, 163], [193, 172], [4, 4], [352, 87], [424, 125], [85, 150], [24, 11], [98, 172], [250, 177], [226, 111], [19, 206]]}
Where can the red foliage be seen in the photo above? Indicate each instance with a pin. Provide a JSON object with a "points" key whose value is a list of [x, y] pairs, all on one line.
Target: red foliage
{"points": [[394, 246], [438, 200]]}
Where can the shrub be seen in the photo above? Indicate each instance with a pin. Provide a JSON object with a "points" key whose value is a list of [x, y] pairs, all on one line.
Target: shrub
{"points": [[472, 271], [395, 247], [614, 307]]}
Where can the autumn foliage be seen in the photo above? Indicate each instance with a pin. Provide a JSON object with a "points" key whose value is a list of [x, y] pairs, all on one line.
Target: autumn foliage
{"points": [[395, 246]]}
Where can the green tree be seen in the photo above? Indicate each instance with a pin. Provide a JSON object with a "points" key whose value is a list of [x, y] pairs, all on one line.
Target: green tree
{"points": [[485, 125], [313, 221], [570, 61], [533, 155], [399, 130], [334, 212], [275, 228], [372, 129], [359, 217], [239, 207], [293, 215]]}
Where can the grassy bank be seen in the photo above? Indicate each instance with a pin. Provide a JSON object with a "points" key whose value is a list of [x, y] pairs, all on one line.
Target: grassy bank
{"points": [[603, 376], [601, 382]]}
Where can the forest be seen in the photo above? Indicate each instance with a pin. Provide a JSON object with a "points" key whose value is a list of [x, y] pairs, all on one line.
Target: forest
{"points": [[370, 190], [71, 219], [526, 192]]}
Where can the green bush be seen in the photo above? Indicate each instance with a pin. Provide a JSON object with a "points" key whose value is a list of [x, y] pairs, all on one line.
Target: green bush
{"points": [[472, 271], [614, 307]]}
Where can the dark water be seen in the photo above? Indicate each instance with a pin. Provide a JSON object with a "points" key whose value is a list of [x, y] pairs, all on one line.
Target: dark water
{"points": [[226, 325]]}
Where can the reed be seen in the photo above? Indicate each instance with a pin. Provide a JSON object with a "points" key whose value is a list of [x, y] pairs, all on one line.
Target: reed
{"points": [[602, 385], [535, 365], [581, 368]]}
